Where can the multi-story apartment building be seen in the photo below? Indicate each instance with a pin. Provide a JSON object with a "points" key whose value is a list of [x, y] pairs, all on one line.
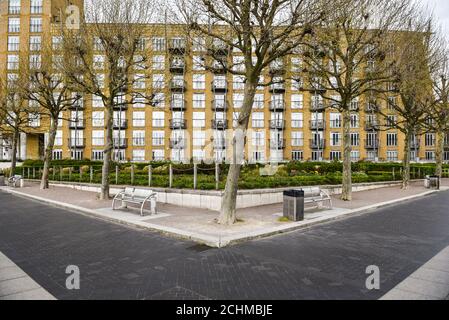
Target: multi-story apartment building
{"points": [[196, 107]]}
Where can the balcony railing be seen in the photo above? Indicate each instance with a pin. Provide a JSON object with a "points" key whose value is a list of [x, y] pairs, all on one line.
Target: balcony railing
{"points": [[178, 85], [178, 124], [317, 125], [372, 125], [219, 67], [219, 105], [178, 143], [219, 86], [276, 69], [415, 144], [177, 65], [277, 144], [277, 105], [77, 124], [219, 50], [297, 142], [120, 106], [372, 144], [277, 87], [219, 124], [77, 142], [277, 124], [317, 107], [177, 46], [119, 123], [317, 143], [120, 143], [178, 105]]}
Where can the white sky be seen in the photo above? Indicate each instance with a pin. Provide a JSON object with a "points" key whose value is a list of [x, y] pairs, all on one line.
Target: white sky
{"points": [[440, 9]]}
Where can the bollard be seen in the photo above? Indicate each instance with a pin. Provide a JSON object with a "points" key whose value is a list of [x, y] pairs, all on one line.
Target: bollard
{"points": [[70, 174], [217, 175], [91, 178], [170, 175], [132, 174], [28, 169], [34, 173], [150, 171], [60, 173], [116, 174], [195, 172], [81, 174]]}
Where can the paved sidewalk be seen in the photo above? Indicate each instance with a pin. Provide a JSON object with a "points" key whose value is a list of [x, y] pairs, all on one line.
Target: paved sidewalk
{"points": [[429, 282], [199, 224], [15, 284]]}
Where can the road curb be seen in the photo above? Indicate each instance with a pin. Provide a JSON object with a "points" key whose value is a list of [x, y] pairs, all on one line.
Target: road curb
{"points": [[219, 242]]}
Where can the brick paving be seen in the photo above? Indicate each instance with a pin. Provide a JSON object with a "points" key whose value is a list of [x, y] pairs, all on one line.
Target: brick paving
{"points": [[324, 262]]}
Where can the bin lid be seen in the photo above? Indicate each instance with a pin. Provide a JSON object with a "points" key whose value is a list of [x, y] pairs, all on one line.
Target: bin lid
{"points": [[294, 193]]}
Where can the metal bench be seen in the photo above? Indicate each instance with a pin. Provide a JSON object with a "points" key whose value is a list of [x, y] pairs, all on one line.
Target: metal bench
{"points": [[136, 196], [15, 181], [317, 196]]}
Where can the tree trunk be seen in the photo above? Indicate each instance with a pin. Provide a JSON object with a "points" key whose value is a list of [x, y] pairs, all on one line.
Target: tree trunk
{"points": [[346, 194], [439, 153], [15, 139], [228, 203], [48, 152], [107, 153], [406, 163]]}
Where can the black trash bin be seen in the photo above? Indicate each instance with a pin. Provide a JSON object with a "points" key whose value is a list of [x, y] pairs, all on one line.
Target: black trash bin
{"points": [[294, 204], [434, 182], [2, 179]]}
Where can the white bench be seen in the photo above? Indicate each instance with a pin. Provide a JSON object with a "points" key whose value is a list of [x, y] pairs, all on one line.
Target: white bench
{"points": [[15, 181], [136, 196], [317, 196]]}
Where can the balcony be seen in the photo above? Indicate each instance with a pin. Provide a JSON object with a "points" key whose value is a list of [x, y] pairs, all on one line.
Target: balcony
{"points": [[354, 106], [277, 69], [415, 144], [371, 108], [317, 107], [277, 88], [77, 143], [219, 144], [317, 143], [177, 66], [119, 124], [277, 105], [178, 85], [218, 67], [219, 86], [77, 124], [372, 144], [178, 105], [120, 106], [219, 124], [277, 144], [119, 143], [177, 47], [178, 124], [372, 126], [277, 124], [77, 106], [219, 50], [219, 105], [317, 125], [178, 143]]}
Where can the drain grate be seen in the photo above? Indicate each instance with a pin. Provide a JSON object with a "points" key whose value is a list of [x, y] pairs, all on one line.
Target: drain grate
{"points": [[199, 248]]}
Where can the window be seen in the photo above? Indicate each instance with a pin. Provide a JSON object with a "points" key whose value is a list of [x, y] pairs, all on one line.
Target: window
{"points": [[158, 62], [36, 7], [392, 139], [430, 139], [355, 139], [297, 120], [97, 119], [158, 81], [34, 120], [13, 62], [355, 155], [199, 138], [158, 155], [118, 155], [139, 119], [35, 43], [58, 138], [317, 155], [97, 137], [296, 84], [257, 120], [354, 122], [335, 139], [235, 118], [14, 25], [35, 24], [297, 139], [198, 154], [98, 62], [335, 155], [258, 101], [198, 44], [198, 63], [158, 44], [158, 138], [97, 155], [335, 120], [158, 119], [97, 102], [139, 138], [199, 119], [14, 7], [371, 156], [297, 155], [56, 154], [100, 80], [159, 100], [297, 101], [258, 138], [35, 61], [296, 64], [238, 83], [391, 121], [139, 81], [258, 156], [199, 100], [138, 155], [13, 43], [392, 156], [237, 100], [199, 81]]}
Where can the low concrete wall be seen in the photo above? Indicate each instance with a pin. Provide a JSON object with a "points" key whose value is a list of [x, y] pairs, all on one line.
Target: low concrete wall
{"points": [[212, 199]]}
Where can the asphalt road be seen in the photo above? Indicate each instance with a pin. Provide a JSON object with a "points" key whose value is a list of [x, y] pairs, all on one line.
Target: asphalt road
{"points": [[324, 262]]}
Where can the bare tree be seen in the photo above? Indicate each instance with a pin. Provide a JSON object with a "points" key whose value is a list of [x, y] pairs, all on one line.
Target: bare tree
{"points": [[48, 91], [107, 57], [263, 32], [408, 107], [348, 60], [14, 112]]}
